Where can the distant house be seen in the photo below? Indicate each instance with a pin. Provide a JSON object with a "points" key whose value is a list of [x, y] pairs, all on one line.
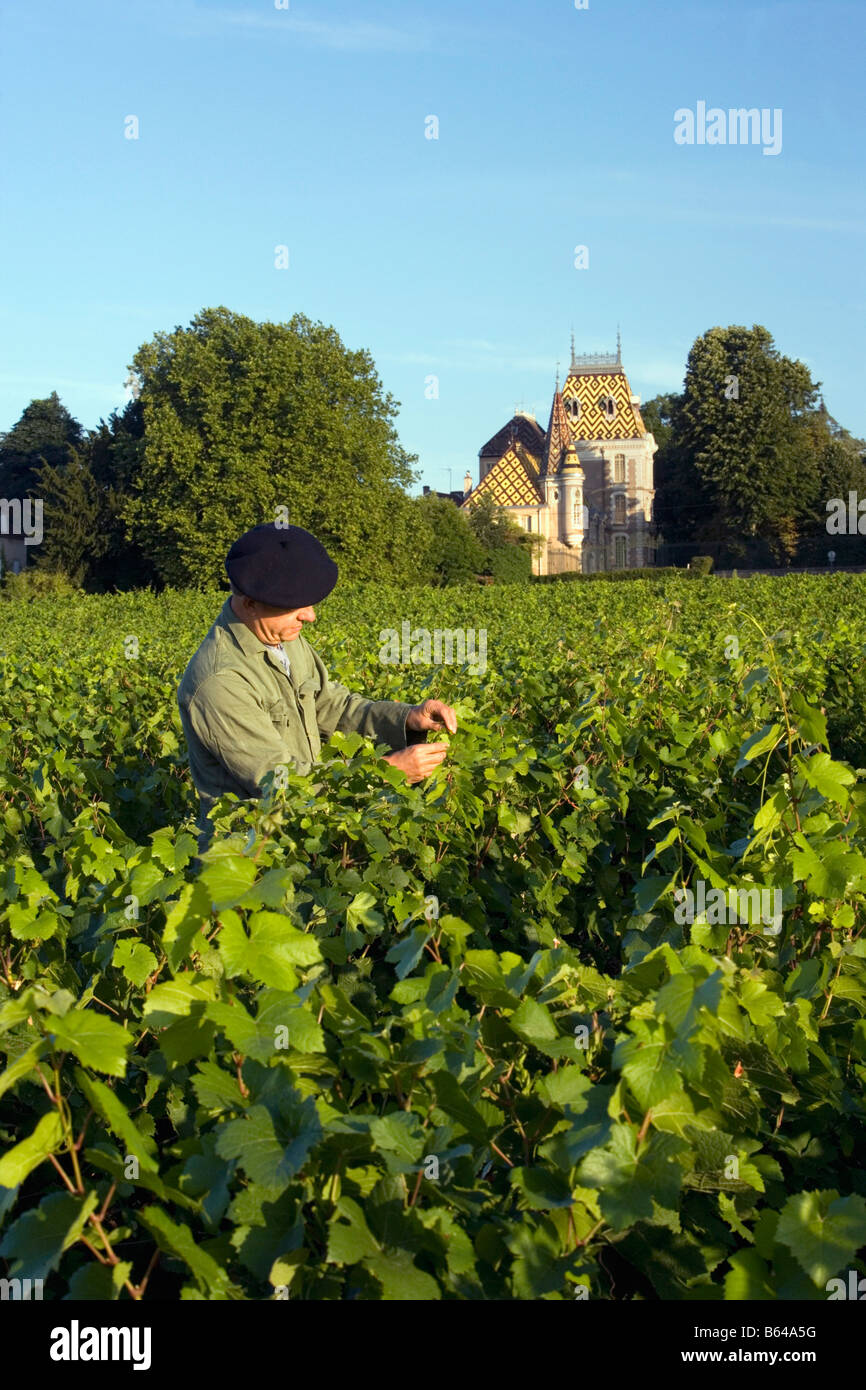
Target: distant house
{"points": [[585, 485], [20, 528], [455, 497]]}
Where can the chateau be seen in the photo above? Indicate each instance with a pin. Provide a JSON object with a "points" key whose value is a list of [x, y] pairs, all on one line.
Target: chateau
{"points": [[585, 486]]}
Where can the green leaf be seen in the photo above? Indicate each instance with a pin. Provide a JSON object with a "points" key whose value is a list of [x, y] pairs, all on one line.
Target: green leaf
{"points": [[226, 879], [566, 1087], [830, 778], [349, 1239], [406, 952], [177, 1239], [96, 1041], [823, 1231], [183, 922], [271, 1151], [401, 1279], [648, 1067], [35, 1242], [18, 1162], [542, 1188], [759, 742], [452, 1098], [175, 999], [631, 1184], [399, 1133], [112, 1110], [95, 1283], [23, 1065], [532, 1022], [648, 891], [135, 959]]}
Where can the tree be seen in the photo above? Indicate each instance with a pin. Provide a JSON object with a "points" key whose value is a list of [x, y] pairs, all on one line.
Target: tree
{"points": [[507, 548], [42, 434], [657, 415], [243, 418], [74, 512], [739, 470], [115, 451], [453, 555]]}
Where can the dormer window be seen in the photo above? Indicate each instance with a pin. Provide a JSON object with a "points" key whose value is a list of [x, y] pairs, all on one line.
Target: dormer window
{"points": [[607, 406], [572, 409]]}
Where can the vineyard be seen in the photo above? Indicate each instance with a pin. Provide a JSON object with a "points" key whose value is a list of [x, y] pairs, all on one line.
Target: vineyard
{"points": [[458, 1040]]}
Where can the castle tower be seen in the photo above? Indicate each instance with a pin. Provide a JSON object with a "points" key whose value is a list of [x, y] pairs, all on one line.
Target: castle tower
{"points": [[586, 485], [616, 452]]}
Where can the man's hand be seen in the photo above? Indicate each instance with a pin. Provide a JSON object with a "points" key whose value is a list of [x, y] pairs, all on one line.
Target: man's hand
{"points": [[418, 761], [432, 714]]}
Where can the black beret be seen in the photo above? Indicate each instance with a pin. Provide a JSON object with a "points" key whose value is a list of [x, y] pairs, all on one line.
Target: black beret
{"points": [[284, 566]]}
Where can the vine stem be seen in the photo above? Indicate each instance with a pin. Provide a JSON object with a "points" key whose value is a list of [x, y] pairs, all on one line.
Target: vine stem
{"points": [[417, 1186], [830, 990], [64, 1175], [777, 681]]}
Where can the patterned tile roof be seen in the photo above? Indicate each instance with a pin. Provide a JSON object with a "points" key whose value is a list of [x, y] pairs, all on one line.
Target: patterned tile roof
{"points": [[606, 411], [519, 429], [558, 434], [510, 482]]}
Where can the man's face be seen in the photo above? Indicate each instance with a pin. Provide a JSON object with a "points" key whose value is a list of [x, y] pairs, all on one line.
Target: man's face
{"points": [[285, 623], [274, 625]]}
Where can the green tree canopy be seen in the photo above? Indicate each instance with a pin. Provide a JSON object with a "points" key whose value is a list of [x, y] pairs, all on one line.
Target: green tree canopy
{"points": [[454, 555], [42, 434], [242, 418], [749, 454]]}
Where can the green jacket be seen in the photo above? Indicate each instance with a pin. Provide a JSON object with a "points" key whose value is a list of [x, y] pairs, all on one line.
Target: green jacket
{"points": [[242, 715]]}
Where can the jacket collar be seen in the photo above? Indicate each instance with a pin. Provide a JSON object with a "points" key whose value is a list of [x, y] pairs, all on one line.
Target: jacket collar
{"points": [[245, 639]]}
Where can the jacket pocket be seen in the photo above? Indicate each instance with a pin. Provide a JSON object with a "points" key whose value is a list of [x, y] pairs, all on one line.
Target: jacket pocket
{"points": [[279, 715]]}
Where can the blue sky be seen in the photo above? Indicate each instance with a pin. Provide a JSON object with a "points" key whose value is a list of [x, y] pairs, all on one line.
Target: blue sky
{"points": [[305, 126]]}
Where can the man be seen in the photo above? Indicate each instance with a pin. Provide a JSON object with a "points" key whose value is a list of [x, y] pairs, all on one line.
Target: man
{"points": [[247, 706]]}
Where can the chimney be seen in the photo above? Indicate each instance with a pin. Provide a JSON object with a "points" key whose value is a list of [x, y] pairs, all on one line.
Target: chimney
{"points": [[426, 492], [467, 482]]}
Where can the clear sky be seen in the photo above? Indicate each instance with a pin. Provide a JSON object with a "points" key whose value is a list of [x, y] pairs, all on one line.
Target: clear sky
{"points": [[304, 126]]}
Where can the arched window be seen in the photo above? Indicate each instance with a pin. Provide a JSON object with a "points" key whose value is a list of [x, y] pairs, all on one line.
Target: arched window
{"points": [[575, 510], [621, 553], [619, 508], [619, 468]]}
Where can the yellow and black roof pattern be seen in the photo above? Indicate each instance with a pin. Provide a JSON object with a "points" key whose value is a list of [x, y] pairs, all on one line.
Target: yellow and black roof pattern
{"points": [[558, 435], [594, 404], [511, 482], [605, 409]]}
